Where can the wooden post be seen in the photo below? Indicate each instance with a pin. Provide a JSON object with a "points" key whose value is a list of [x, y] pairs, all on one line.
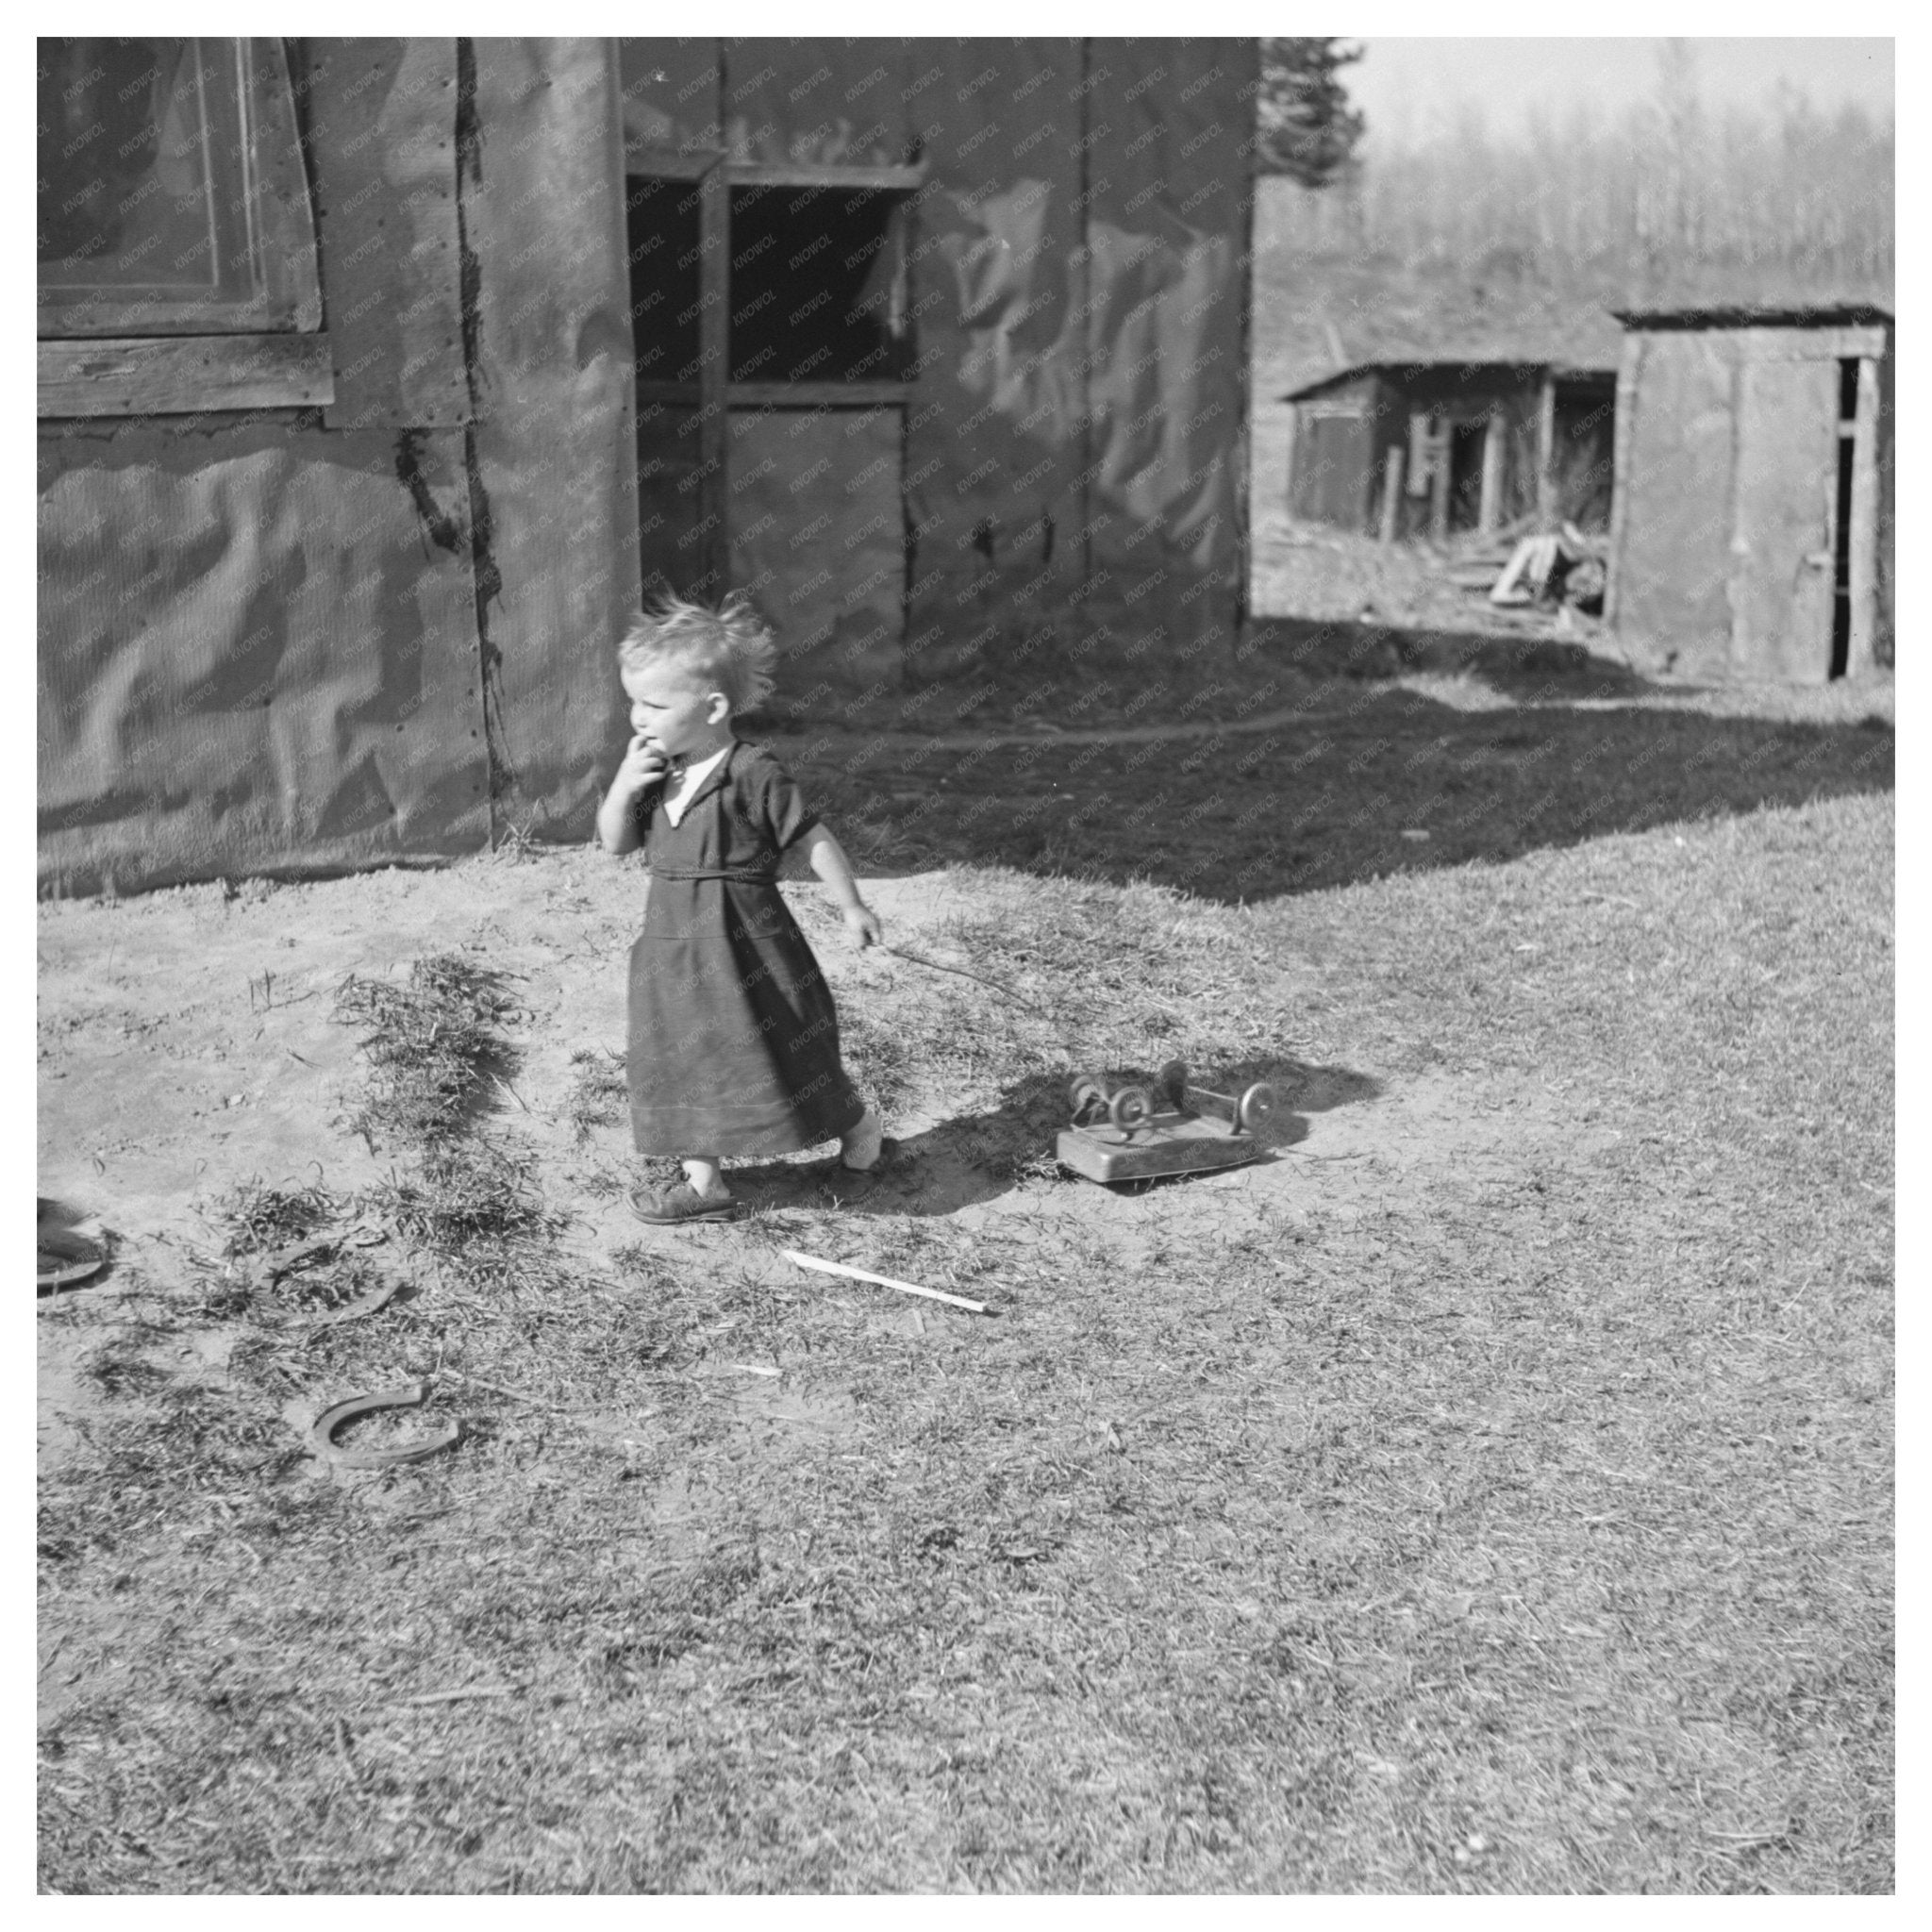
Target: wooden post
{"points": [[1864, 531], [1489, 505], [1392, 491], [713, 559], [1294, 417], [1546, 453], [1439, 435], [1622, 431]]}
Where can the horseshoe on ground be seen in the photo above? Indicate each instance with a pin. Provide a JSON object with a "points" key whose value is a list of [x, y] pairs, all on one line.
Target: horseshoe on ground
{"points": [[323, 1429], [377, 1297]]}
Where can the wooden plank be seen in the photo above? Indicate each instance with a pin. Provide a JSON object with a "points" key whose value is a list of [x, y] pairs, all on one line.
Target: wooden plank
{"points": [[1546, 452], [1677, 482], [828, 175], [669, 163], [1489, 503], [1392, 493], [290, 240], [1810, 344], [1781, 577], [1864, 534], [1622, 424], [714, 349], [181, 376], [1418, 452]]}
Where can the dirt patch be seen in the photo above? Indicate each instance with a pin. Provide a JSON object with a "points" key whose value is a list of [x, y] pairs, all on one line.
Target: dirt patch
{"points": [[190, 1047]]}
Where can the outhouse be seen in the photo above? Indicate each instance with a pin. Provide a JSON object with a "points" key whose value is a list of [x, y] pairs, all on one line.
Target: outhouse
{"points": [[1752, 529]]}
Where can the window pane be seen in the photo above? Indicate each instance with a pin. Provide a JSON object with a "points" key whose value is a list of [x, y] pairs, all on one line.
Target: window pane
{"points": [[125, 196], [171, 192], [814, 273]]}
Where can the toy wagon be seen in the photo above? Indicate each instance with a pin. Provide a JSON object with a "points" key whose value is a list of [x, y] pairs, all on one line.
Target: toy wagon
{"points": [[1135, 1133]]}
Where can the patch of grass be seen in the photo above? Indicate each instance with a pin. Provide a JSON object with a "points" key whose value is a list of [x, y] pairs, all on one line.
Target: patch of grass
{"points": [[1515, 1518], [154, 1466], [255, 1217], [473, 1193], [599, 1095], [120, 1366], [432, 1043]]}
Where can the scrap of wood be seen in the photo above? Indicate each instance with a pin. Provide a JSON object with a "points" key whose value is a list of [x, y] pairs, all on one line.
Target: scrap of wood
{"points": [[934, 1294]]}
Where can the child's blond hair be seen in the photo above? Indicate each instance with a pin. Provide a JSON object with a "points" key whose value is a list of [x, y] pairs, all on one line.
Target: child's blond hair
{"points": [[730, 649]]}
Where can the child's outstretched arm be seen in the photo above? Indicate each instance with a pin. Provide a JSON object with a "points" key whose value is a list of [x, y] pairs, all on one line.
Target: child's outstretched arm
{"points": [[644, 766], [828, 857]]}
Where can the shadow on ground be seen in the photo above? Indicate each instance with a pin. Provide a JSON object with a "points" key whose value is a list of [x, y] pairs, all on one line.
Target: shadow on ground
{"points": [[1375, 778], [980, 1156]]}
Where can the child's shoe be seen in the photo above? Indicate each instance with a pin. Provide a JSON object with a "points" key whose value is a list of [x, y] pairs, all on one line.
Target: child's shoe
{"points": [[859, 1149], [665, 1203]]}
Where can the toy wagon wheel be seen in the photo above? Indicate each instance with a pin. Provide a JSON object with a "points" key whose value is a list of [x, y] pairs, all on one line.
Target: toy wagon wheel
{"points": [[1083, 1089], [1254, 1107], [1130, 1106], [1173, 1081]]}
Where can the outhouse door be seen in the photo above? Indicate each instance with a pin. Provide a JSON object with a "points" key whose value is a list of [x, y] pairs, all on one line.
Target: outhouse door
{"points": [[1781, 577]]}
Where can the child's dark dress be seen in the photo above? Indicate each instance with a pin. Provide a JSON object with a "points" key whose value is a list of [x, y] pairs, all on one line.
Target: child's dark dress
{"points": [[734, 1041]]}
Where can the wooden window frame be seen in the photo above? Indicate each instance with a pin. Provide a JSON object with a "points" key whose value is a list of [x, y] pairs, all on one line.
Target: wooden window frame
{"points": [[714, 395], [153, 355]]}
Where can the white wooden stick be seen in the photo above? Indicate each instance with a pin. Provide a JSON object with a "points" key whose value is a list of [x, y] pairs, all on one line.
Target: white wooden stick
{"points": [[957, 1301]]}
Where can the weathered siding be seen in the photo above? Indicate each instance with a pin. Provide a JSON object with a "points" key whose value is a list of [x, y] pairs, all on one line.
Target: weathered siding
{"points": [[1169, 131], [380, 117], [1724, 528], [1780, 580], [1676, 509], [818, 536], [1884, 620], [553, 468], [997, 433], [1338, 443], [257, 652], [306, 637], [300, 640]]}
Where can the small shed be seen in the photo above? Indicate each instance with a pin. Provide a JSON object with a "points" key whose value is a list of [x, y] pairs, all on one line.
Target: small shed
{"points": [[1753, 532], [1415, 449]]}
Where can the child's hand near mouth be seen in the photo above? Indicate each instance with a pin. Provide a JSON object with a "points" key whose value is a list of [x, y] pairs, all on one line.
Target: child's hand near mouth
{"points": [[644, 766]]}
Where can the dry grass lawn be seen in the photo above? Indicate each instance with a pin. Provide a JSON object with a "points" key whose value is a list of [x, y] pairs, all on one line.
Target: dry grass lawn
{"points": [[1490, 1492]]}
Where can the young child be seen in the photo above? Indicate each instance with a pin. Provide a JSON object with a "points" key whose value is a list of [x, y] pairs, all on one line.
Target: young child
{"points": [[734, 1041]]}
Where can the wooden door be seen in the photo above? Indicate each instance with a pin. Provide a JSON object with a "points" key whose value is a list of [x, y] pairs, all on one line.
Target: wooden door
{"points": [[1780, 578]]}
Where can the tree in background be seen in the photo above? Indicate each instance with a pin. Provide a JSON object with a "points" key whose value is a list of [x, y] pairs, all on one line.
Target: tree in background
{"points": [[1305, 126]]}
